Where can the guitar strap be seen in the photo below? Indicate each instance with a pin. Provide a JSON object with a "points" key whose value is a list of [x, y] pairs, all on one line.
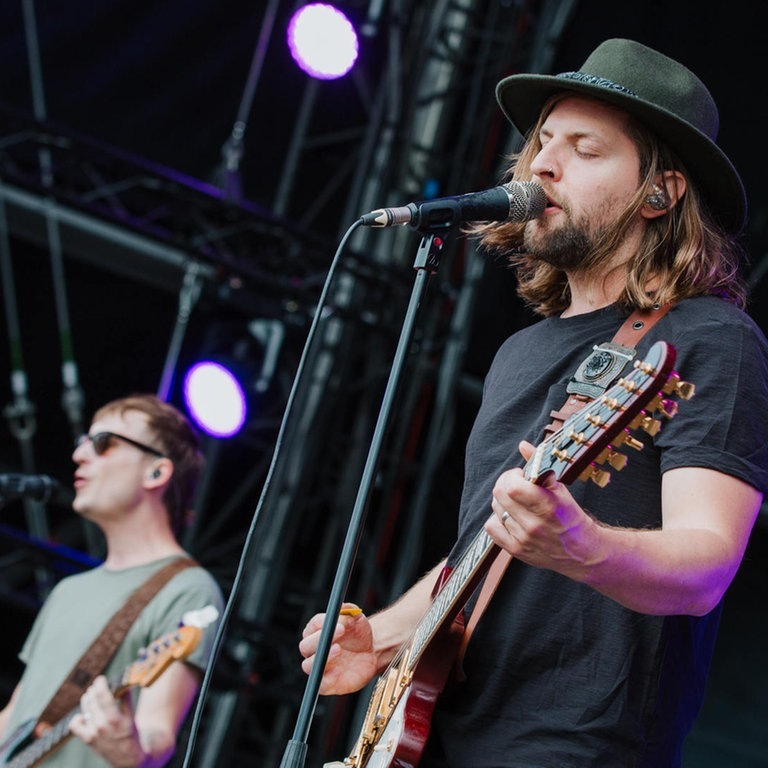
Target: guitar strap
{"points": [[623, 345], [95, 659]]}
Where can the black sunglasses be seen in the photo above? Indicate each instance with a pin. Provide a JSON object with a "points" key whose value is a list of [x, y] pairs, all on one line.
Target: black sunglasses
{"points": [[102, 440]]}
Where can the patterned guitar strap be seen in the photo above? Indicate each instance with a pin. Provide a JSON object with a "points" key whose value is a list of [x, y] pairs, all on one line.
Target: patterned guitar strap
{"points": [[592, 378]]}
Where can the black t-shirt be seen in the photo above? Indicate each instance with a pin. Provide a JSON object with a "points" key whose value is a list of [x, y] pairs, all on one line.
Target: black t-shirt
{"points": [[559, 676]]}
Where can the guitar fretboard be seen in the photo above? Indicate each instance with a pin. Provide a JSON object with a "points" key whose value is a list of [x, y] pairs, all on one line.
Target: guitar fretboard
{"points": [[454, 593], [45, 744]]}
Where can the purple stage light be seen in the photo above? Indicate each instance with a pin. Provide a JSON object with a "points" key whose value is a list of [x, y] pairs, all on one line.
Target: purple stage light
{"points": [[322, 41], [215, 399]]}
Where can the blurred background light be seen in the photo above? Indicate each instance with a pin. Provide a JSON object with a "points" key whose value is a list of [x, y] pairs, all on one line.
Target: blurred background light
{"points": [[322, 41], [214, 399]]}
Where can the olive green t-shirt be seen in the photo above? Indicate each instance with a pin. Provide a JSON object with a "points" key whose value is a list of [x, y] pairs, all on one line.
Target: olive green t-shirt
{"points": [[71, 618]]}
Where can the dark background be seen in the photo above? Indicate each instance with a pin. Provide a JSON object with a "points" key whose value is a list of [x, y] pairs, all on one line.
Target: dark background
{"points": [[162, 82]]}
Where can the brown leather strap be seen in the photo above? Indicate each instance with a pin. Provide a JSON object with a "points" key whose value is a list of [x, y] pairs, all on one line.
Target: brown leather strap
{"points": [[629, 334], [492, 579], [638, 324], [96, 658]]}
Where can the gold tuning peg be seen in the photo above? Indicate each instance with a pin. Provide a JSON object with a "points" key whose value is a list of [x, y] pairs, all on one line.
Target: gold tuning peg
{"points": [[650, 426], [625, 438], [617, 460], [632, 442], [598, 476], [674, 386], [667, 409], [685, 390]]}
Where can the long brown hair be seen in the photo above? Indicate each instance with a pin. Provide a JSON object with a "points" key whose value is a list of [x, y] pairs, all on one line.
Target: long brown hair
{"points": [[685, 252], [177, 439]]}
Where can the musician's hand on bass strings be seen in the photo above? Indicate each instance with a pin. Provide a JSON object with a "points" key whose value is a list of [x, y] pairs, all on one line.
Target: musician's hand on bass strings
{"points": [[107, 725]]}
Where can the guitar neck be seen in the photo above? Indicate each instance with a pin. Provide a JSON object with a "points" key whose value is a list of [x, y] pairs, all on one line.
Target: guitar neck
{"points": [[55, 736], [41, 747], [453, 593]]}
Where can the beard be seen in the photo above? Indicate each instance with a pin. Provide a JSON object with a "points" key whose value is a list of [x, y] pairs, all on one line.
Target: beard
{"points": [[568, 247]]}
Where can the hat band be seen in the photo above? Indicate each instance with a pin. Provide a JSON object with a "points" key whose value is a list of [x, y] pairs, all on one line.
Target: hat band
{"points": [[600, 82]]}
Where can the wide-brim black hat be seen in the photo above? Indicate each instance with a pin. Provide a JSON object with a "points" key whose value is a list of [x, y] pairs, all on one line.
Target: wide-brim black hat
{"points": [[660, 92]]}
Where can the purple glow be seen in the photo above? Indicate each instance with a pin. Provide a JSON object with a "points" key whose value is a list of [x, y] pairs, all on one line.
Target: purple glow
{"points": [[322, 41], [215, 399]]}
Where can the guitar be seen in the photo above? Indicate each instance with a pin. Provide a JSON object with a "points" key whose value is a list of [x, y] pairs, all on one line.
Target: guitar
{"points": [[22, 750], [397, 720]]}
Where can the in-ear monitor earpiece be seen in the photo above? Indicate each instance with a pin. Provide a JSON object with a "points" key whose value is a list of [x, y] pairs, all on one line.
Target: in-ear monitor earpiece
{"points": [[658, 200]]}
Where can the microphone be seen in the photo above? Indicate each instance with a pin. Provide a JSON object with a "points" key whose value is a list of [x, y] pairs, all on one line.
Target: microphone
{"points": [[516, 201], [37, 487]]}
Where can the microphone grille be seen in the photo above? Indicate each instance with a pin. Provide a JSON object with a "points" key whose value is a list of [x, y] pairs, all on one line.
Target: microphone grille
{"points": [[526, 200]]}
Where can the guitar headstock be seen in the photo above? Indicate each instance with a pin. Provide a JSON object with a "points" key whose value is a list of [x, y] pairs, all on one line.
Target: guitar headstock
{"points": [[590, 436], [159, 655], [173, 646]]}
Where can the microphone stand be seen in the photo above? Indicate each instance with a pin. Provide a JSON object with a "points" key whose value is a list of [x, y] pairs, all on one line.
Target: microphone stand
{"points": [[425, 264]]}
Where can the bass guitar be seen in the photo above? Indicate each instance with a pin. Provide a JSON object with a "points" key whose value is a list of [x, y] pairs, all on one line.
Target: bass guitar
{"points": [[397, 720], [23, 750]]}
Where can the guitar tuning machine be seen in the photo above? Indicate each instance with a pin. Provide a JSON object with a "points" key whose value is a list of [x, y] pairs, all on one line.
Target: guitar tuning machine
{"points": [[646, 422], [625, 438], [650, 426], [667, 409], [598, 476], [617, 460], [674, 386]]}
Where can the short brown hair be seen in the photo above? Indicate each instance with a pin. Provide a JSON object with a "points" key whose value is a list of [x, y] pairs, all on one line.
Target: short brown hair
{"points": [[177, 439]]}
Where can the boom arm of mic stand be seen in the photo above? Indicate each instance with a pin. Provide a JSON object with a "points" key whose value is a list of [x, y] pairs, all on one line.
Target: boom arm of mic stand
{"points": [[427, 259]]}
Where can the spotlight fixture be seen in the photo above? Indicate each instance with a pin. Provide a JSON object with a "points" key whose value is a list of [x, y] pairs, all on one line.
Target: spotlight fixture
{"points": [[214, 399], [322, 41]]}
